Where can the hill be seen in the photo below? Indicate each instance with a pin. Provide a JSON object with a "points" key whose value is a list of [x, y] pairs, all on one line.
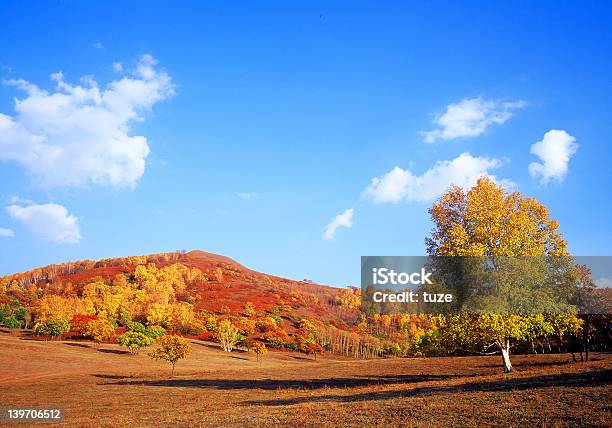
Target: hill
{"points": [[192, 290], [207, 296], [226, 283]]}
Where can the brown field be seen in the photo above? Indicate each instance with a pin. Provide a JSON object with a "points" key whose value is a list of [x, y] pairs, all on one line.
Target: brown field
{"points": [[109, 387]]}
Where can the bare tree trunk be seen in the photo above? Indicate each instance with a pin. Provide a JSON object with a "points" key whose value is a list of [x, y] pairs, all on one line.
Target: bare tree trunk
{"points": [[505, 352], [586, 338]]}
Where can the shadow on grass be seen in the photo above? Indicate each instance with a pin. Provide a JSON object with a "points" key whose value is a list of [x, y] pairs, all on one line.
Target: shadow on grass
{"points": [[114, 351], [273, 384], [574, 380], [110, 376], [208, 345], [78, 345], [216, 347], [520, 364]]}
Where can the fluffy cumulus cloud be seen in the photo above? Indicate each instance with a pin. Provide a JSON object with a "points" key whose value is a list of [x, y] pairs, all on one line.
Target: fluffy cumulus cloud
{"points": [[48, 221], [80, 133], [555, 151], [341, 220], [402, 185], [6, 233], [470, 117]]}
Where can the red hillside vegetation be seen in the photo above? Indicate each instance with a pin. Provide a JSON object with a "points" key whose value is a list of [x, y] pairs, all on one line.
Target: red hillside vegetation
{"points": [[212, 297], [188, 292]]}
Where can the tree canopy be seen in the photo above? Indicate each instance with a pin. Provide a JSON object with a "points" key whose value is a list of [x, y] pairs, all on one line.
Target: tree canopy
{"points": [[491, 223]]}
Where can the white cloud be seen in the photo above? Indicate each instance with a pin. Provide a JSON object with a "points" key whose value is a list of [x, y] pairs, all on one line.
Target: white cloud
{"points": [[118, 67], [98, 45], [80, 133], [470, 117], [341, 220], [6, 233], [247, 195], [49, 221], [402, 185], [555, 150]]}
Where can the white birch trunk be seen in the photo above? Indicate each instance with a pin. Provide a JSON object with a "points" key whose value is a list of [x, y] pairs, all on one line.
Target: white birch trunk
{"points": [[505, 352]]}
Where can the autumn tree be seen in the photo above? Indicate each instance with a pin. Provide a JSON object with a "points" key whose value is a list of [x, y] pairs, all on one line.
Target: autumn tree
{"points": [[249, 309], [99, 330], [134, 341], [305, 335], [306, 338], [183, 319], [596, 310], [55, 307], [15, 315], [259, 349], [171, 348], [228, 335], [349, 298], [52, 327], [313, 348], [158, 314], [489, 222], [79, 322]]}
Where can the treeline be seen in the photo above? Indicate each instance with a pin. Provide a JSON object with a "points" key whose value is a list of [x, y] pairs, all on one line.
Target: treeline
{"points": [[50, 273], [156, 293]]}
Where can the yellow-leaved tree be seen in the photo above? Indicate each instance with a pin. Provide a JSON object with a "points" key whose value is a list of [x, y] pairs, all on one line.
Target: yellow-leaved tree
{"points": [[171, 348], [491, 223], [99, 330], [228, 335]]}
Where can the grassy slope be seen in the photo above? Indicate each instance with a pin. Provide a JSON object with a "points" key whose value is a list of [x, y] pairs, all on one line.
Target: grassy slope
{"points": [[238, 286], [107, 387]]}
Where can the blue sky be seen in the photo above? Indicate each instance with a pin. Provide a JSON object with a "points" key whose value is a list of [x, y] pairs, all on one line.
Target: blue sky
{"points": [[245, 128]]}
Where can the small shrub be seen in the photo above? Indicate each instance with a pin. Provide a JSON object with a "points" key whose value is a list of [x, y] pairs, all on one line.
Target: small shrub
{"points": [[12, 322], [427, 344], [395, 350], [155, 331], [135, 341], [52, 327], [249, 309], [313, 348], [135, 326]]}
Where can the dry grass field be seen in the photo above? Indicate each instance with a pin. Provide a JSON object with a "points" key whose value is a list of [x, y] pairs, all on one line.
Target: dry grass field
{"points": [[109, 387]]}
